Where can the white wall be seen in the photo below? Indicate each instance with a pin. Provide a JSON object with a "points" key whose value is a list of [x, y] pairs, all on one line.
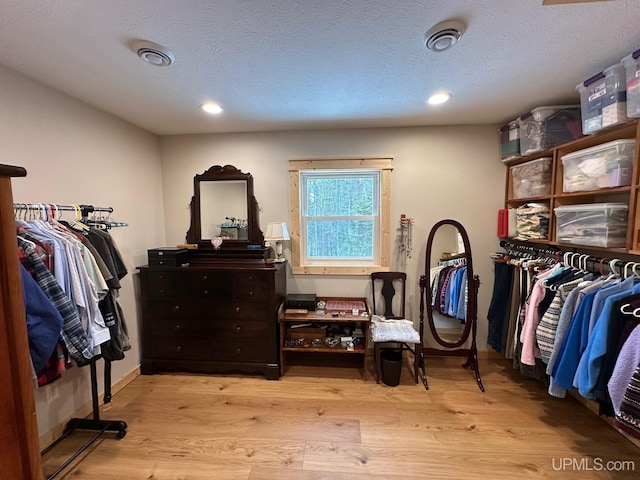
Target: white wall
{"points": [[76, 154], [439, 172]]}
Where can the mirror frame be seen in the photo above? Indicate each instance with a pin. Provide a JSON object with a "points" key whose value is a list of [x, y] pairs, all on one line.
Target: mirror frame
{"points": [[219, 173], [471, 302]]}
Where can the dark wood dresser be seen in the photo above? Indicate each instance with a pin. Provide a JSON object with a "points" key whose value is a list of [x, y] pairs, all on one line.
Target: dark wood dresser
{"points": [[211, 318]]}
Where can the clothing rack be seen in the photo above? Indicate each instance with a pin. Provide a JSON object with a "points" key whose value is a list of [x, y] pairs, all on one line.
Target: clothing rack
{"points": [[50, 210], [94, 423], [614, 265], [587, 261]]}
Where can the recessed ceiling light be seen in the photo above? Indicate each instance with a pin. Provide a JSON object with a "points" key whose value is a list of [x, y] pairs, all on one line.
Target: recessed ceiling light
{"points": [[438, 98], [212, 108]]}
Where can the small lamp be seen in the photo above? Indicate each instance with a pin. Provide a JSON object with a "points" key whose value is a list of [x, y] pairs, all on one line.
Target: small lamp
{"points": [[277, 232]]}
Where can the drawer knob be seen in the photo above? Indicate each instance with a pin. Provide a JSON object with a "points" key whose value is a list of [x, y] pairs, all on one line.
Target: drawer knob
{"points": [[237, 309], [206, 292], [177, 327], [178, 348], [251, 293], [163, 291], [161, 277], [176, 308], [161, 262], [238, 328], [238, 350], [251, 277], [204, 277]]}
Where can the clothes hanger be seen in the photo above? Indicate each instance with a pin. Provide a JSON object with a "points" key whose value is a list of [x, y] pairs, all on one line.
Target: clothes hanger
{"points": [[77, 223], [612, 268], [626, 266]]}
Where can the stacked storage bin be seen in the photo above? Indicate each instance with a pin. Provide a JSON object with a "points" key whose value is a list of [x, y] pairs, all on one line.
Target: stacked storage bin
{"points": [[595, 224], [603, 99], [603, 166], [510, 141], [531, 179], [632, 66], [546, 127]]}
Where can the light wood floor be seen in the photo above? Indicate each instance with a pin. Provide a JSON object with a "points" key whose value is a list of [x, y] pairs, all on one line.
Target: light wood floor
{"points": [[330, 424]]}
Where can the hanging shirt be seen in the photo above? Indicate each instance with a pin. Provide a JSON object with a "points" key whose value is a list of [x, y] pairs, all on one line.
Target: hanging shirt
{"points": [[627, 363], [72, 333], [630, 406], [571, 350], [530, 350], [44, 322], [570, 308], [546, 330], [592, 359]]}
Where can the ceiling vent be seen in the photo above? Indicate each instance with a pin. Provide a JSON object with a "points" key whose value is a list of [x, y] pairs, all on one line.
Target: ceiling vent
{"points": [[443, 36], [154, 54]]}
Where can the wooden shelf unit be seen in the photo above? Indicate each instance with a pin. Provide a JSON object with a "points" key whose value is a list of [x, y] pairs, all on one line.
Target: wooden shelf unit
{"points": [[287, 320], [626, 194]]}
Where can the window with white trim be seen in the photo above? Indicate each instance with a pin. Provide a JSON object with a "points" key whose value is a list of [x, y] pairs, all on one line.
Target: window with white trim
{"points": [[340, 215]]}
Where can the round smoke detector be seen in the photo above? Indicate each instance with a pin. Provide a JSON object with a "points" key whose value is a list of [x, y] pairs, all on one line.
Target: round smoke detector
{"points": [[443, 36], [154, 54]]}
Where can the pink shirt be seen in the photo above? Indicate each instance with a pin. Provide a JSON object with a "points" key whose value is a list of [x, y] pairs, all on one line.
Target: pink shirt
{"points": [[530, 349]]}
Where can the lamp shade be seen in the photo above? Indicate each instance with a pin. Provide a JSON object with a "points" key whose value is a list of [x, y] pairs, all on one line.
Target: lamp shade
{"points": [[276, 231]]}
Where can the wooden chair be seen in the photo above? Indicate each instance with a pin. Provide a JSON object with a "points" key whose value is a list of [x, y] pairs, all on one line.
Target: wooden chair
{"points": [[388, 291]]}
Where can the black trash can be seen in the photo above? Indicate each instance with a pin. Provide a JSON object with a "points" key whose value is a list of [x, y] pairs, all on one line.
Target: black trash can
{"points": [[391, 365]]}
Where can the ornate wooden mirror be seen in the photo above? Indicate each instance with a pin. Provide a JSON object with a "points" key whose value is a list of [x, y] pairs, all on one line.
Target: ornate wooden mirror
{"points": [[450, 291], [223, 205]]}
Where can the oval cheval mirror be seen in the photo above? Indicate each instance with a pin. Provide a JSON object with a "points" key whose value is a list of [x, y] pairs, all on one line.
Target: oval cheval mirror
{"points": [[450, 290]]}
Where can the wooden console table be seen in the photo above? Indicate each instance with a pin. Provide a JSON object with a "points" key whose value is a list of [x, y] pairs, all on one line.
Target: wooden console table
{"points": [[321, 323]]}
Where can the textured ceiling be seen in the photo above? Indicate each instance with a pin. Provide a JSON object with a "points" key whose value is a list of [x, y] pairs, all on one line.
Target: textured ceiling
{"points": [[303, 64]]}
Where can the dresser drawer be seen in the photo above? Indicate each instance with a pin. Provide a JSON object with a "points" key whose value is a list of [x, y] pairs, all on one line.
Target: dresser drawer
{"points": [[241, 330], [199, 326], [231, 350], [252, 350], [244, 340], [163, 284], [203, 311], [252, 293], [251, 278], [240, 309], [178, 308], [199, 284], [181, 348], [251, 286], [178, 327], [190, 284]]}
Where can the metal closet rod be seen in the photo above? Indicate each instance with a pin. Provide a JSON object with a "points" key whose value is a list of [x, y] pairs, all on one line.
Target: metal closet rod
{"points": [[598, 263], [52, 206], [531, 248]]}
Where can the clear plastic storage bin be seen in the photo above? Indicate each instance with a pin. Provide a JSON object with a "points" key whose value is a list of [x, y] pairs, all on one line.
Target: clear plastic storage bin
{"points": [[603, 166], [546, 127], [596, 224], [532, 179], [632, 66], [510, 141], [603, 99]]}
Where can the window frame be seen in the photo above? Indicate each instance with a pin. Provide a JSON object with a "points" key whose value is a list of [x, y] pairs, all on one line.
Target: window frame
{"points": [[296, 166]]}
